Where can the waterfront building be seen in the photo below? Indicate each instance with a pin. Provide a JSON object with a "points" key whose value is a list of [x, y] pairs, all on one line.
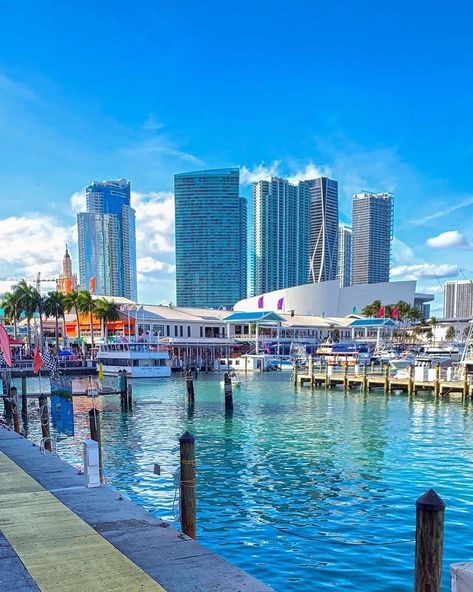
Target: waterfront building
{"points": [[67, 280], [280, 249], [458, 299], [372, 227], [211, 238], [344, 255], [107, 240], [323, 229]]}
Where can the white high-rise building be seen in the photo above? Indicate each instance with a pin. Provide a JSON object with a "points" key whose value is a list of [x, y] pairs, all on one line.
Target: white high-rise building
{"points": [[344, 255], [323, 229], [280, 249], [458, 299], [372, 227]]}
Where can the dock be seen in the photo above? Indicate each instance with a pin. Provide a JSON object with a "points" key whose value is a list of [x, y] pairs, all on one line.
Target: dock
{"points": [[57, 535], [368, 379]]}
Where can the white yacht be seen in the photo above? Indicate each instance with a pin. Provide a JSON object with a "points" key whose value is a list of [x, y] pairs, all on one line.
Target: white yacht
{"points": [[140, 360]]}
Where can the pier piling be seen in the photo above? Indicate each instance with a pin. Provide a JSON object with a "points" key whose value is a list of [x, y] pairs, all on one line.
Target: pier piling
{"points": [[96, 434], [14, 407], [24, 400], [44, 418], [430, 509], [190, 388], [129, 396], [228, 392], [187, 484]]}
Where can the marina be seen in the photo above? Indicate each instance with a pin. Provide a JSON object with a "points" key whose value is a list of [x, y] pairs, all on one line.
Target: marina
{"points": [[322, 481]]}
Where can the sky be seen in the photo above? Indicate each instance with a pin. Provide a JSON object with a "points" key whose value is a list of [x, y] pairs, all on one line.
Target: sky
{"points": [[376, 96]]}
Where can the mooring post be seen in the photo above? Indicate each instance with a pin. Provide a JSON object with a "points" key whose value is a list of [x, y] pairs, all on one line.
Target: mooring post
{"points": [[465, 382], [294, 372], [96, 434], [122, 386], [24, 400], [363, 380], [190, 388], [327, 382], [187, 484], [14, 405], [44, 418], [410, 381], [129, 396], [386, 378], [311, 369], [430, 509], [227, 386], [437, 381], [345, 376]]}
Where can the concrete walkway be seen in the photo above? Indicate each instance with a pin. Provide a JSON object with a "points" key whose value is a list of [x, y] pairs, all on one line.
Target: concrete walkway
{"points": [[61, 536]]}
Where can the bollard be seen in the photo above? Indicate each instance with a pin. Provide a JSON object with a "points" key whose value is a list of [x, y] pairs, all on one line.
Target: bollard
{"points": [[24, 400], [14, 407], [189, 388], [129, 396], [228, 392], [96, 434], [430, 510], [44, 418], [187, 484]]}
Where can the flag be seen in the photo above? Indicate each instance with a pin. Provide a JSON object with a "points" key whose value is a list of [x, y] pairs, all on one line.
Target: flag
{"points": [[395, 313], [92, 284], [37, 360], [381, 312], [68, 285], [280, 303], [261, 302], [50, 361], [5, 346], [354, 310]]}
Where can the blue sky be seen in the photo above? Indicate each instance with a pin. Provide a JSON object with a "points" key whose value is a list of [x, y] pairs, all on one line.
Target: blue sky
{"points": [[379, 97]]}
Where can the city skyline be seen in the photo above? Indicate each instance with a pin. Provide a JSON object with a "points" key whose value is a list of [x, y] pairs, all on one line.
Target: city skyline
{"points": [[368, 124]]}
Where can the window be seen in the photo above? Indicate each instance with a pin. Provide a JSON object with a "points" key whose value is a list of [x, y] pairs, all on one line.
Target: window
{"points": [[201, 331], [168, 331], [175, 331], [181, 331], [188, 330]]}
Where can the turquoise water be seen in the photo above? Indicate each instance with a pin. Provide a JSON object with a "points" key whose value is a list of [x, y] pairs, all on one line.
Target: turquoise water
{"points": [[328, 467]]}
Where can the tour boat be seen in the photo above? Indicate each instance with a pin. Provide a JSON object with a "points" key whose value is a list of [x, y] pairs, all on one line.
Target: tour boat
{"points": [[140, 360], [344, 353]]}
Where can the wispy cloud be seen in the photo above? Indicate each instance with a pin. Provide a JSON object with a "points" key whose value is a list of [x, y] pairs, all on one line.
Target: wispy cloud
{"points": [[422, 271], [152, 123], [443, 212], [14, 89], [259, 171], [449, 239]]}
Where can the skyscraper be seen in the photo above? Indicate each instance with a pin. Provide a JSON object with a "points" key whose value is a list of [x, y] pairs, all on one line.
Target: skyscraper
{"points": [[107, 241], [210, 238], [458, 299], [344, 255], [323, 229], [280, 235], [372, 225]]}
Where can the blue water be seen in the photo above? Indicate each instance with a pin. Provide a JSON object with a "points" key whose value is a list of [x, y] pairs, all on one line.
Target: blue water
{"points": [[330, 468]]}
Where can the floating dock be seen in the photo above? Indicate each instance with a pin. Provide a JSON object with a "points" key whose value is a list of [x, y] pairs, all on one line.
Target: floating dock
{"points": [[57, 535]]}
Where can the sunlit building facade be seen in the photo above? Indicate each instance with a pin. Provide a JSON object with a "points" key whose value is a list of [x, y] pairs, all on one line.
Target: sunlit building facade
{"points": [[211, 238], [458, 299], [344, 255], [107, 240]]}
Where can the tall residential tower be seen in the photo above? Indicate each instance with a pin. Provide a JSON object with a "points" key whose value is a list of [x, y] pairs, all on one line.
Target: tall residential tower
{"points": [[323, 229], [107, 241], [372, 225], [344, 255], [210, 238], [458, 299], [280, 253]]}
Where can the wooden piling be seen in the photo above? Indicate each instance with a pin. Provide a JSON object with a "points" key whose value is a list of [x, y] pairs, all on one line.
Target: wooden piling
{"points": [[386, 378], [465, 383], [129, 396], [294, 373], [364, 379], [327, 381], [96, 434], [311, 369], [345, 376], [187, 484], [430, 509], [14, 406], [410, 381], [122, 385], [44, 418], [24, 400], [437, 381], [227, 385], [190, 388]]}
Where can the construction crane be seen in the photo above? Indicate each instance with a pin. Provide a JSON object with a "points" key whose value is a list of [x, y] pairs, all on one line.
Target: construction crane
{"points": [[37, 282]]}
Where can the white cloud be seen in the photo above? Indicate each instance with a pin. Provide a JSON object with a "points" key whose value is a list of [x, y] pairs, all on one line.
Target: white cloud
{"points": [[402, 253], [258, 172], [310, 171], [451, 238], [154, 223], [150, 264], [444, 212], [152, 123], [425, 271], [78, 202]]}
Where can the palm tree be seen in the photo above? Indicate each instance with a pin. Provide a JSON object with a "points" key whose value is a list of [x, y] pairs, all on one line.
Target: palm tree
{"points": [[107, 312], [28, 303], [54, 307], [87, 306], [371, 310], [12, 310], [72, 302], [450, 333]]}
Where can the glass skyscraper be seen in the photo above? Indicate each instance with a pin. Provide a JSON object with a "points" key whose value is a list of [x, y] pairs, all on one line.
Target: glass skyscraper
{"points": [[344, 255], [107, 240], [211, 238], [280, 246], [372, 226], [323, 229]]}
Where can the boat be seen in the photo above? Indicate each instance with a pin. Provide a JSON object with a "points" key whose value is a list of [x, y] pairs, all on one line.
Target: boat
{"points": [[139, 359], [236, 382], [344, 353]]}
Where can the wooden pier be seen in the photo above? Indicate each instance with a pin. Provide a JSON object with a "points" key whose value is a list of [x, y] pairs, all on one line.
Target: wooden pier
{"points": [[369, 379]]}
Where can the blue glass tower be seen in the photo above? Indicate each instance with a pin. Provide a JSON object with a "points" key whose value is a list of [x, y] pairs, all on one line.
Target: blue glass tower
{"points": [[107, 241], [210, 238]]}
